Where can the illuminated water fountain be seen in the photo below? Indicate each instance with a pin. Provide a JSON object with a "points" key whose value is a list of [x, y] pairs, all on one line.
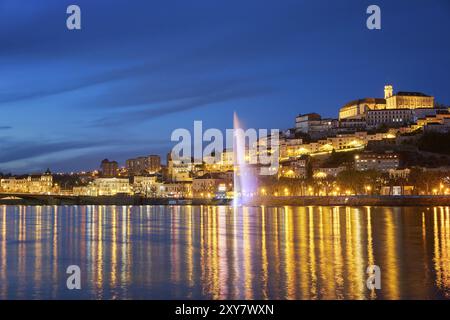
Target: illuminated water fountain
{"points": [[245, 182]]}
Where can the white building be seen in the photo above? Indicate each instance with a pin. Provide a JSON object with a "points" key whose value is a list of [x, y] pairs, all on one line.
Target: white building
{"points": [[180, 170], [389, 117], [176, 190], [147, 186], [110, 186], [36, 183], [314, 125]]}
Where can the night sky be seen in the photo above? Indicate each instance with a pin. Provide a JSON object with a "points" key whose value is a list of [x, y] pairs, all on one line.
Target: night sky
{"points": [[140, 69]]}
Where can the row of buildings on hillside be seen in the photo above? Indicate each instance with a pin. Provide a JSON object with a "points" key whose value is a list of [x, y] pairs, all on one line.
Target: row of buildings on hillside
{"points": [[313, 137], [394, 110], [34, 183], [137, 166], [206, 186]]}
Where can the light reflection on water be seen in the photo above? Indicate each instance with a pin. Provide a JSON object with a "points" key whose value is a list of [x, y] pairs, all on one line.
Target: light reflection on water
{"points": [[201, 252]]}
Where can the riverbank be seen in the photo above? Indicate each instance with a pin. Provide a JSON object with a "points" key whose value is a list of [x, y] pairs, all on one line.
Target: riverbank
{"points": [[356, 201], [402, 201]]}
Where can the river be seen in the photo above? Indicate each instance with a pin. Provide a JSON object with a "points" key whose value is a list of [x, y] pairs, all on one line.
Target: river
{"points": [[221, 252]]}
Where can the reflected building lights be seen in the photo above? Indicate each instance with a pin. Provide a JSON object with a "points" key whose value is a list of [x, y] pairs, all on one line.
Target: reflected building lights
{"points": [[246, 248], [99, 251], [337, 250], [312, 255], [4, 257], [391, 281], [370, 255], [264, 261], [113, 275], [289, 254], [224, 253]]}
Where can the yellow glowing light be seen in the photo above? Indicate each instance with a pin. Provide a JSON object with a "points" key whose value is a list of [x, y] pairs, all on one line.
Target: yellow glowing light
{"points": [[302, 150], [320, 175], [328, 146]]}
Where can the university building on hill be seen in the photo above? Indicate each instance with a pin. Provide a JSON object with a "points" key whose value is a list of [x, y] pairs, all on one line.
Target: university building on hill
{"points": [[359, 109]]}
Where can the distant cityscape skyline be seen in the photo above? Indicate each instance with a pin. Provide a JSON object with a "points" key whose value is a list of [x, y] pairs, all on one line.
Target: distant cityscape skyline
{"points": [[117, 90], [124, 163]]}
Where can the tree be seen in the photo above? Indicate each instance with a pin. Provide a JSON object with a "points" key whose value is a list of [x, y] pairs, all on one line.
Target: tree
{"points": [[435, 142], [351, 180]]}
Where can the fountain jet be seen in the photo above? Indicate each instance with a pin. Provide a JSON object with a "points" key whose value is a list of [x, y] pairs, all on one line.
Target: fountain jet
{"points": [[244, 178]]}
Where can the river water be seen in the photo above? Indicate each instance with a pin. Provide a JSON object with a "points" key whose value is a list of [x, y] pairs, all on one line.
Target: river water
{"points": [[219, 252]]}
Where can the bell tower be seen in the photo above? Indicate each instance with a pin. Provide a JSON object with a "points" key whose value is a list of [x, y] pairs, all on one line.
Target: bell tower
{"points": [[388, 91]]}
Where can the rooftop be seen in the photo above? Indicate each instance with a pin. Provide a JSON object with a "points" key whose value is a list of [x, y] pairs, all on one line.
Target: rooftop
{"points": [[411, 94], [365, 100]]}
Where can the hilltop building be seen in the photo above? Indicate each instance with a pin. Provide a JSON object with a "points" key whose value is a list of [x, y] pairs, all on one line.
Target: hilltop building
{"points": [[358, 109]]}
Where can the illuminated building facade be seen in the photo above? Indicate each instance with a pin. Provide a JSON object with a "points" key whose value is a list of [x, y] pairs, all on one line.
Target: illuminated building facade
{"points": [[408, 100], [383, 162], [176, 190], [142, 165], [146, 185], [207, 186], [327, 172], [179, 170], [110, 186], [293, 168], [390, 117], [359, 109], [36, 183]]}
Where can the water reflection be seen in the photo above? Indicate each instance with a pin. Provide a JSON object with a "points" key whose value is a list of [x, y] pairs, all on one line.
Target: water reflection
{"points": [[183, 252]]}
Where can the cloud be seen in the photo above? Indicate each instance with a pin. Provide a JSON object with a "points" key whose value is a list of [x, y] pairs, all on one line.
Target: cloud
{"points": [[152, 113], [26, 155], [86, 82], [19, 150], [90, 160], [212, 54]]}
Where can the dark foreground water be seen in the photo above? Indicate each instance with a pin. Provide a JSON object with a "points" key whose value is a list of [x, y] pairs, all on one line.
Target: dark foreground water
{"points": [[184, 252]]}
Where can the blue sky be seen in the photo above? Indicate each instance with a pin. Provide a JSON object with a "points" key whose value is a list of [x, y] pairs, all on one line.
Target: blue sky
{"points": [[140, 69]]}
